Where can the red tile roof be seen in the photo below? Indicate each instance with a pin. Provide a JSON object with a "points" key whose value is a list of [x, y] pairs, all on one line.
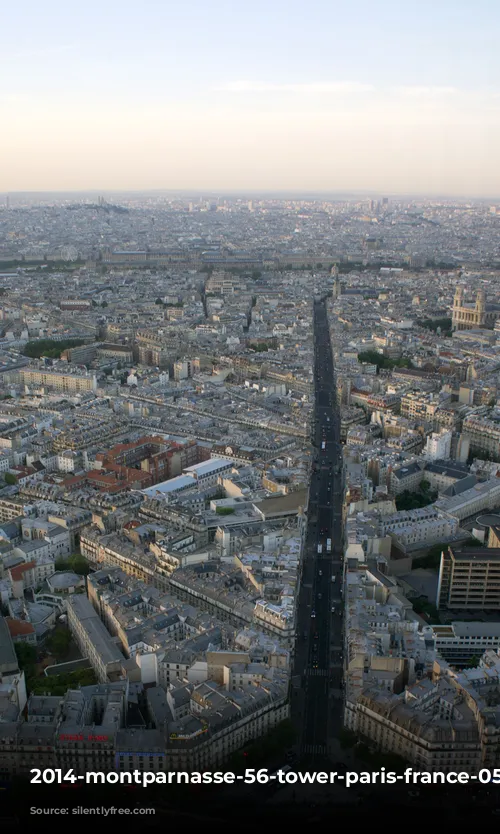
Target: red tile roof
{"points": [[19, 627], [17, 571]]}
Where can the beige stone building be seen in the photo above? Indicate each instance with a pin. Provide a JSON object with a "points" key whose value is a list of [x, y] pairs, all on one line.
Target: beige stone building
{"points": [[468, 316]]}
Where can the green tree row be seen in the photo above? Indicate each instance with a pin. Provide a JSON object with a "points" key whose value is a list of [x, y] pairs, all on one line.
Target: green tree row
{"points": [[76, 563], [53, 684], [415, 500], [433, 324], [50, 347], [372, 357]]}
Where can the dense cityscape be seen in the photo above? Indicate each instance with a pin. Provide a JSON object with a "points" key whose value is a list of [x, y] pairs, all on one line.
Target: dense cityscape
{"points": [[249, 482]]}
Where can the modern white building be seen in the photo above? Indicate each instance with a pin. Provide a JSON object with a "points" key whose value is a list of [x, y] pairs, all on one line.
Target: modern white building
{"points": [[207, 473], [438, 446], [459, 642], [169, 490]]}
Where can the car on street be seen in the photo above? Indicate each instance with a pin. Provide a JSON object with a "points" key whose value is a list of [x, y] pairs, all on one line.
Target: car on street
{"points": [[333, 609], [313, 614]]}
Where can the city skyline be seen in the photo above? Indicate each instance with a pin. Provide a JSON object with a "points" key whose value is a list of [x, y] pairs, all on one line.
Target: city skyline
{"points": [[388, 100]]}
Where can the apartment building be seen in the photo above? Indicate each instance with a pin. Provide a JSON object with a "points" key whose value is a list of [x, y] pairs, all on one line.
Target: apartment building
{"points": [[119, 551], [162, 459], [484, 436], [425, 525], [87, 732], [469, 579], [81, 355], [66, 383], [182, 370], [438, 446], [418, 405], [480, 497], [213, 588], [15, 507], [93, 639], [221, 283], [405, 478], [427, 725], [31, 573], [276, 619], [114, 353]]}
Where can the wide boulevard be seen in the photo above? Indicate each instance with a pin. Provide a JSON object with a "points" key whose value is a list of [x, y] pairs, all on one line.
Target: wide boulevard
{"points": [[316, 691]]}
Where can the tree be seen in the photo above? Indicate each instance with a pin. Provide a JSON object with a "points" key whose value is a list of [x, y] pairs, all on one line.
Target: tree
{"points": [[10, 479], [59, 642], [80, 565], [372, 357], [76, 563], [433, 558], [427, 609], [159, 302], [444, 325], [26, 655], [415, 500], [52, 348], [59, 684]]}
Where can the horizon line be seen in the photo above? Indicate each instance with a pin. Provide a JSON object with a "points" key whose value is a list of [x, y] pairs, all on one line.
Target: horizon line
{"points": [[242, 191]]}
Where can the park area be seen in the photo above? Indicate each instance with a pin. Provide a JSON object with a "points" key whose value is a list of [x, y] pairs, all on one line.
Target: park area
{"points": [[58, 648]]}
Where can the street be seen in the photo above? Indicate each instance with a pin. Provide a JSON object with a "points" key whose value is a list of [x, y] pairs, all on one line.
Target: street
{"points": [[317, 673]]}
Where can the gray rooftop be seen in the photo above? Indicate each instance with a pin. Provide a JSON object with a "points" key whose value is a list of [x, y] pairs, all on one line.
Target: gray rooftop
{"points": [[8, 657], [96, 631]]}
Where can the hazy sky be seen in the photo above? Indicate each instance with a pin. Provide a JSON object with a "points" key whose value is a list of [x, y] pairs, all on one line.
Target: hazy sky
{"points": [[398, 95]]}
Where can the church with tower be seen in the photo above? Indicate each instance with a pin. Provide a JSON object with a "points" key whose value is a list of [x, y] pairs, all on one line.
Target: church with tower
{"points": [[473, 315]]}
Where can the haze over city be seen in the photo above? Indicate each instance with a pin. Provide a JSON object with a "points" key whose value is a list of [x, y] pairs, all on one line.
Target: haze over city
{"points": [[249, 412], [385, 97]]}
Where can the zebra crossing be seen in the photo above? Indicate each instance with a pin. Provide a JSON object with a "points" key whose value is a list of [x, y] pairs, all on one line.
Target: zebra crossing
{"points": [[319, 673], [318, 749]]}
